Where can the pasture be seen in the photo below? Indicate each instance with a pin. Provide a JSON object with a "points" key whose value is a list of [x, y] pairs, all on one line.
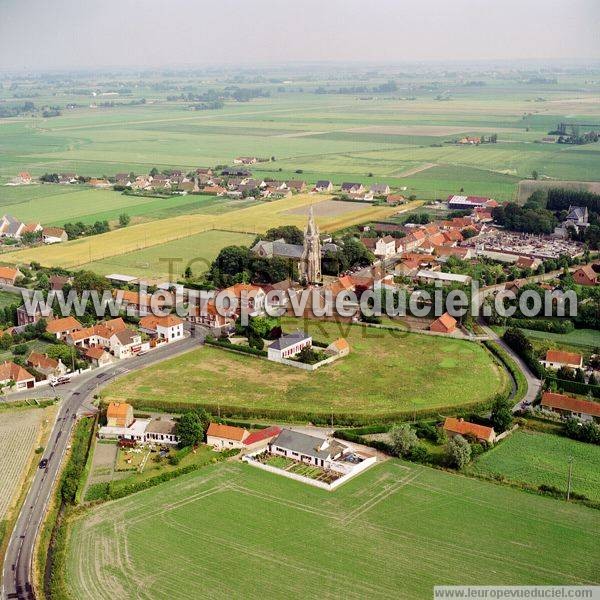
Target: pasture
{"points": [[386, 374], [169, 260], [255, 218], [542, 458], [231, 531]]}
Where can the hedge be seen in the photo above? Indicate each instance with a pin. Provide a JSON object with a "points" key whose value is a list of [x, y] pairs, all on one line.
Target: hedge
{"points": [[318, 418], [235, 347], [575, 387], [547, 325]]}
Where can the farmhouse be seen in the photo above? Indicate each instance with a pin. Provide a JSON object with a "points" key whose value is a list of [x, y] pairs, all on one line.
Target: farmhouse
{"points": [[454, 427], [161, 431], [289, 346], [54, 235], [9, 371], [352, 188], [119, 414], [135, 431], [8, 275], [307, 448], [586, 275], [566, 406], [48, 366], [339, 347], [380, 189], [11, 227], [445, 324], [168, 328], [261, 438], [63, 327], [225, 437], [98, 356], [555, 359]]}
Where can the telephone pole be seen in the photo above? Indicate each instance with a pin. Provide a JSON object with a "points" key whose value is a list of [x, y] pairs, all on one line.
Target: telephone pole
{"points": [[570, 478]]}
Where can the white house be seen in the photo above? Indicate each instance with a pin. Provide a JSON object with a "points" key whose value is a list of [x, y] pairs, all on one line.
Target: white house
{"points": [[555, 359], [307, 448], [288, 346], [225, 437], [168, 328], [385, 247], [54, 235], [125, 343]]}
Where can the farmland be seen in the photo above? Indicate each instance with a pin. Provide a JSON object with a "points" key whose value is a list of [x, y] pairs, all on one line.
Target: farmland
{"points": [[542, 458], [386, 374], [197, 250], [253, 219], [395, 531]]}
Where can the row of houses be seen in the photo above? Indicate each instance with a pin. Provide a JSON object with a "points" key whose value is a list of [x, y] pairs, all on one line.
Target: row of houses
{"points": [[13, 228]]}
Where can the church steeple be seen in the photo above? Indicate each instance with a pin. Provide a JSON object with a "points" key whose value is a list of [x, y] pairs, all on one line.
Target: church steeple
{"points": [[310, 266]]}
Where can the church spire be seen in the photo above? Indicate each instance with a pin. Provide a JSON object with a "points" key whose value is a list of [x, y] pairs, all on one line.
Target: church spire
{"points": [[310, 265]]}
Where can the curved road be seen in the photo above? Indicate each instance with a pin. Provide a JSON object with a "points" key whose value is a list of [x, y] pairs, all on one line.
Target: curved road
{"points": [[16, 581]]}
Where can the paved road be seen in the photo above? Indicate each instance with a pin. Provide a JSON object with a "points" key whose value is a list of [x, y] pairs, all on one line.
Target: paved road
{"points": [[76, 397]]}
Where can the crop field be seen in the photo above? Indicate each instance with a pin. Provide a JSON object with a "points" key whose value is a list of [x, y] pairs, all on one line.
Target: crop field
{"points": [[255, 218], [19, 430], [385, 374], [393, 532], [583, 338], [543, 458], [171, 259], [58, 204]]}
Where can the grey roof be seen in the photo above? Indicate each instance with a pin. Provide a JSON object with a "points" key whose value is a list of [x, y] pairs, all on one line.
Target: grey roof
{"points": [[379, 187], [308, 445], [126, 336], [323, 183], [286, 250], [13, 225], [285, 341], [349, 186], [167, 426], [577, 213]]}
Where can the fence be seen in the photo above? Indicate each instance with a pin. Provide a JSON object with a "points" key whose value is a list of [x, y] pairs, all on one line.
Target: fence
{"points": [[305, 366]]}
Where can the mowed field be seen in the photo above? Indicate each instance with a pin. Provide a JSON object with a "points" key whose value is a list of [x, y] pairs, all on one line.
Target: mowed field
{"points": [[232, 531], [385, 374], [542, 458], [52, 204], [256, 218], [19, 430], [171, 259]]}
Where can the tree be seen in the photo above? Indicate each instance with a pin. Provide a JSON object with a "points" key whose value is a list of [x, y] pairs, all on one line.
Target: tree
{"points": [[124, 219], [535, 174], [402, 439], [501, 417], [290, 233], [189, 429], [459, 451], [188, 272]]}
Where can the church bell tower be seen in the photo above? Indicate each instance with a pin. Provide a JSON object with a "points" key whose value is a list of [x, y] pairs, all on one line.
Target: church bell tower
{"points": [[310, 267]]}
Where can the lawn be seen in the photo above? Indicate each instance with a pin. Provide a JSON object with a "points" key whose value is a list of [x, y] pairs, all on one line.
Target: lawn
{"points": [[386, 374], [198, 250], [542, 458], [8, 298], [393, 532]]}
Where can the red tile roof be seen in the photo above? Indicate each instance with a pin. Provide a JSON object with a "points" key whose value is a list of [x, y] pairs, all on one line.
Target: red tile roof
{"points": [[64, 324], [564, 358], [262, 434], [465, 428], [9, 371], [226, 432], [563, 402]]}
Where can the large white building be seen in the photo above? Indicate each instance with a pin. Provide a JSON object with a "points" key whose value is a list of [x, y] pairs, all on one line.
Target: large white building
{"points": [[288, 346]]}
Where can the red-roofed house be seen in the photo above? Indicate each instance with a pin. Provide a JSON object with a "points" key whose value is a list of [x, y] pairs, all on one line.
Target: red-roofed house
{"points": [[555, 359], [9, 371], [63, 327], [445, 324], [260, 439], [169, 327], [46, 365], [225, 437], [586, 276], [9, 275], [567, 406], [454, 427]]}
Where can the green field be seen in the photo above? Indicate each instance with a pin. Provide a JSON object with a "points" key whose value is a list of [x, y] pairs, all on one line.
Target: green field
{"points": [[58, 204], [7, 298], [198, 250], [542, 458], [232, 531], [385, 374], [585, 338]]}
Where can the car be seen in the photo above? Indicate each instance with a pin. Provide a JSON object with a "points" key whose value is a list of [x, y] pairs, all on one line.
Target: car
{"points": [[43, 463]]}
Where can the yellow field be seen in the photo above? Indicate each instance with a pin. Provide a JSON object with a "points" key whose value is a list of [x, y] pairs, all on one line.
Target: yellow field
{"points": [[253, 219]]}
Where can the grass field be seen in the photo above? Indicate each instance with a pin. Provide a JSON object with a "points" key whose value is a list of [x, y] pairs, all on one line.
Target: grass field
{"points": [[385, 374], [231, 531], [256, 218], [584, 338], [197, 250], [7, 298], [542, 458]]}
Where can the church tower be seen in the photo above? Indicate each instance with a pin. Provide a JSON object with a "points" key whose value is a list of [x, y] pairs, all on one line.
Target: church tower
{"points": [[310, 266]]}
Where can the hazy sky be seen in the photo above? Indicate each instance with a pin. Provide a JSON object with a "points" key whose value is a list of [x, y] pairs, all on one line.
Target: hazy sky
{"points": [[42, 34]]}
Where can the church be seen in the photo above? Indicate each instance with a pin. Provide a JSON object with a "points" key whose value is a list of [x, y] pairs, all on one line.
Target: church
{"points": [[307, 257]]}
